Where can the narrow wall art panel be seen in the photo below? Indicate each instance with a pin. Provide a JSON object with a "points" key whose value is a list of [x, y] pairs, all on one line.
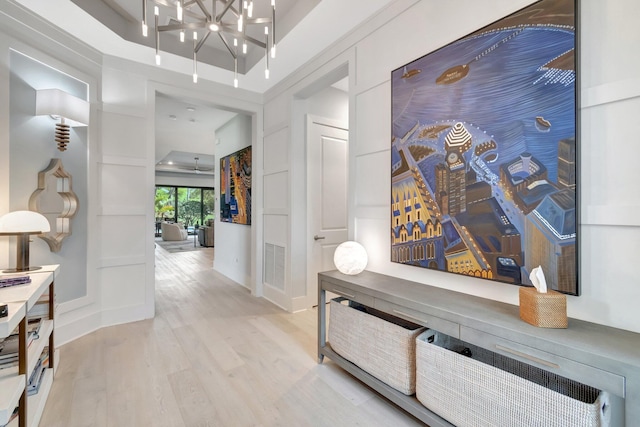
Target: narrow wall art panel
{"points": [[235, 187], [484, 152]]}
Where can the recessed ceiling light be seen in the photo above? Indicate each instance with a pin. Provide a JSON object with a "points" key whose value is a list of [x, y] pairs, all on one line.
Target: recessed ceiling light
{"points": [[172, 117], [192, 109], [169, 162]]}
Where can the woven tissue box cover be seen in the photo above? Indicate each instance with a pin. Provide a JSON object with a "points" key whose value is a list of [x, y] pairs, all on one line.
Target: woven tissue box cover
{"points": [[548, 310], [470, 392], [383, 349]]}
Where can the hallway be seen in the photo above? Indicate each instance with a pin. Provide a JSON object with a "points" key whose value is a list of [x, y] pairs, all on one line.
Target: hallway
{"points": [[213, 356]]}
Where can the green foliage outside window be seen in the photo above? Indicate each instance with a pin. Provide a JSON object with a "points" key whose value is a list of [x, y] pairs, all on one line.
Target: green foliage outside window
{"points": [[187, 205]]}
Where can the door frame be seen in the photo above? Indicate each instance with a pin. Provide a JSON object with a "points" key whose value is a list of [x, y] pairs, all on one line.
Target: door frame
{"points": [[297, 254], [310, 119]]}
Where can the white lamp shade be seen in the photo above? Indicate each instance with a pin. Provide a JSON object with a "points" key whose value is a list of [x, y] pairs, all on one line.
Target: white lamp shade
{"points": [[350, 258], [54, 102], [24, 222]]}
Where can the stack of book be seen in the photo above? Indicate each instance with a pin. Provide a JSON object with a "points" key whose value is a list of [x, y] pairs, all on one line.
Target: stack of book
{"points": [[9, 346], [38, 373], [12, 280], [9, 351]]}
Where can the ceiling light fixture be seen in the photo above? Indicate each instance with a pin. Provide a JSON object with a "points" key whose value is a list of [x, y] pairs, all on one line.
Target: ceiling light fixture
{"points": [[221, 18]]}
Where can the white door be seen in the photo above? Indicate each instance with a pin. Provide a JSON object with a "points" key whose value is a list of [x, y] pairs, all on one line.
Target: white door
{"points": [[327, 145]]}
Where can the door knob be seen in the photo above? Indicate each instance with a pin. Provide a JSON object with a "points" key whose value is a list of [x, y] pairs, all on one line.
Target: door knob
{"points": [[316, 237]]}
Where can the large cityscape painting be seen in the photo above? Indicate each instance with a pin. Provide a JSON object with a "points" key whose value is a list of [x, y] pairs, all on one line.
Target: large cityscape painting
{"points": [[235, 187], [483, 152]]}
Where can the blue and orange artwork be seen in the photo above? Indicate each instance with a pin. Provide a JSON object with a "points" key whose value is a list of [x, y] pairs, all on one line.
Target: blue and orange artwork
{"points": [[235, 187], [483, 152]]}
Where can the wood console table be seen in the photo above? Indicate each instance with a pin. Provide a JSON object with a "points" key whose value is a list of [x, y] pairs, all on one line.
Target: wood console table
{"points": [[603, 357]]}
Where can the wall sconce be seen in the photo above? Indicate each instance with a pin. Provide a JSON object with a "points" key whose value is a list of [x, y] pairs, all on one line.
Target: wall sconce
{"points": [[22, 224], [71, 111], [350, 258]]}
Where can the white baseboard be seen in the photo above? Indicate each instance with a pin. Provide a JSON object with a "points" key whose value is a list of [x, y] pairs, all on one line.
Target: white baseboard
{"points": [[124, 315], [276, 296], [70, 326], [299, 304], [69, 330]]}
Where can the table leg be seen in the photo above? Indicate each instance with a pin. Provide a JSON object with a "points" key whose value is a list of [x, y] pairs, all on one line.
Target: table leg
{"points": [[322, 321]]}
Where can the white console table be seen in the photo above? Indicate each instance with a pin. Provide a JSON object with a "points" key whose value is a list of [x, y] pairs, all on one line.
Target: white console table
{"points": [[13, 380], [599, 356]]}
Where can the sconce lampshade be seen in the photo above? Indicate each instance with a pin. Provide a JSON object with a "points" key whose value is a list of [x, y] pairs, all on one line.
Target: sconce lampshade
{"points": [[350, 258], [57, 103], [22, 224]]}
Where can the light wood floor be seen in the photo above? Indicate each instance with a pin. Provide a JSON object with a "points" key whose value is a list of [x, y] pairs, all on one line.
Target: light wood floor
{"points": [[213, 356]]}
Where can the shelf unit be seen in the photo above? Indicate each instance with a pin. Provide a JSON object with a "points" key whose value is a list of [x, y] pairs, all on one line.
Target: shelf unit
{"points": [[605, 358], [13, 381]]}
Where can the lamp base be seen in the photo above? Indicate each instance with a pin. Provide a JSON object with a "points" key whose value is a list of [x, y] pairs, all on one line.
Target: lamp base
{"points": [[15, 270]]}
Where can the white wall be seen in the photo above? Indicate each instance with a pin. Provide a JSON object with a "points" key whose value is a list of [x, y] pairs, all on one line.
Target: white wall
{"points": [[233, 241], [610, 87], [120, 178], [32, 147], [285, 198], [329, 103]]}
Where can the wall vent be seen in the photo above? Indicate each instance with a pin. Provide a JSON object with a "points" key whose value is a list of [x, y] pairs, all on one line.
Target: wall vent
{"points": [[274, 266]]}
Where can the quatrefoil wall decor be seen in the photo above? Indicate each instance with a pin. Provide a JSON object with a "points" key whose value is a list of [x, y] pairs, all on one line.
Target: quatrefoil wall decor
{"points": [[56, 200]]}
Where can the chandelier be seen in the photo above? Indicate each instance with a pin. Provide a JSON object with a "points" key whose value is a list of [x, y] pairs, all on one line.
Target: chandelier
{"points": [[226, 19]]}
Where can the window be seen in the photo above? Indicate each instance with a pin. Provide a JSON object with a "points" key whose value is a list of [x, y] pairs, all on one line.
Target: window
{"points": [[165, 203], [188, 205]]}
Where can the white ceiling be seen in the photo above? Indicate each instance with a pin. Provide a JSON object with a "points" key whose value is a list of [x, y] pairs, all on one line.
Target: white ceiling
{"points": [[303, 28], [324, 24], [186, 126], [187, 162]]}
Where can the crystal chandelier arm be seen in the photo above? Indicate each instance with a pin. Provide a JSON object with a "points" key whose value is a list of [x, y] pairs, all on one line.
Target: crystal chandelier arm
{"points": [[200, 25], [224, 40], [227, 7], [185, 10], [204, 10], [185, 26], [240, 36], [258, 21], [201, 42]]}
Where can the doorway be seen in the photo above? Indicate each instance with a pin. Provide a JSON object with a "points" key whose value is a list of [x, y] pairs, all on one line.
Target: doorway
{"points": [[235, 121], [327, 181], [327, 147]]}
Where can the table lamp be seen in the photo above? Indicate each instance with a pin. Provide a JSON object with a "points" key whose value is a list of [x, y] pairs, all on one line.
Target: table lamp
{"points": [[22, 224], [350, 258]]}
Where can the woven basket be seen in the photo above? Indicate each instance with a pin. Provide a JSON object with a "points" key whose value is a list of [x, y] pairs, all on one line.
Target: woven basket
{"points": [[489, 389], [385, 348]]}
